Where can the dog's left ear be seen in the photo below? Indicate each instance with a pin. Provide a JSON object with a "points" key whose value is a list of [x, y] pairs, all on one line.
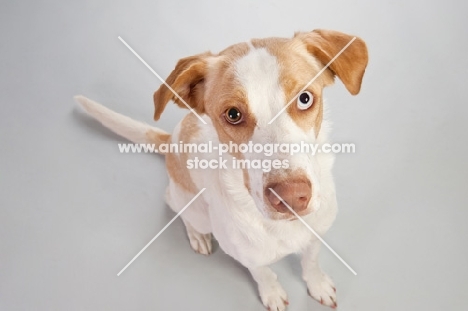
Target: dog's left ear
{"points": [[349, 66], [188, 81]]}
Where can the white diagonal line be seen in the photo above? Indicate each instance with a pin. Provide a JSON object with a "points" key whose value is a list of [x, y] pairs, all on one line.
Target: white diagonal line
{"points": [[162, 80], [313, 79], [162, 230], [313, 231]]}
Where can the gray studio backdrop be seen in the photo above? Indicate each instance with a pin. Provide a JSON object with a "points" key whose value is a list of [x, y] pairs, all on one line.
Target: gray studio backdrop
{"points": [[74, 211]]}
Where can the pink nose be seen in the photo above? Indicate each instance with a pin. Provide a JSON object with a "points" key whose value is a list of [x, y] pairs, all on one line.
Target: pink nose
{"points": [[296, 194]]}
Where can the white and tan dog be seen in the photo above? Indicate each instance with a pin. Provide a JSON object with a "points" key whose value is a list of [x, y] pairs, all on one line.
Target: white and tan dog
{"points": [[237, 93]]}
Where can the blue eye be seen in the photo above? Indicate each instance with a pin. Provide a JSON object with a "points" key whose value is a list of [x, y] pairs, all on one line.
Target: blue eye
{"points": [[305, 100]]}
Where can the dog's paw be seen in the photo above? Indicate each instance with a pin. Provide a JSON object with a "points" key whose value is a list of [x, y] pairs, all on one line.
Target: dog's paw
{"points": [[273, 296], [200, 243], [322, 289]]}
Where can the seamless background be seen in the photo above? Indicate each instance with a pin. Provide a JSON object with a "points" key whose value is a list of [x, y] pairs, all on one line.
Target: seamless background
{"points": [[74, 211]]}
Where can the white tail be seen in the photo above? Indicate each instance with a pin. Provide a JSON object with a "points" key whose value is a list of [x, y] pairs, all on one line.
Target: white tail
{"points": [[135, 131]]}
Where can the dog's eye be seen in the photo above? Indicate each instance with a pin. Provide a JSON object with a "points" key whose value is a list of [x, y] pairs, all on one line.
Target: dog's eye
{"points": [[305, 100], [233, 115]]}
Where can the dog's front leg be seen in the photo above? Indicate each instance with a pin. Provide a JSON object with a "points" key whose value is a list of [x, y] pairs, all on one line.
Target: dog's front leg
{"points": [[272, 294], [319, 284]]}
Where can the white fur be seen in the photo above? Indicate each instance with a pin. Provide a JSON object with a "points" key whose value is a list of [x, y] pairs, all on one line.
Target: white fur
{"points": [[237, 217]]}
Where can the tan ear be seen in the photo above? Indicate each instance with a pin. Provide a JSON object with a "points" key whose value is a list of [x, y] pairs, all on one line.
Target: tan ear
{"points": [[349, 66], [188, 81]]}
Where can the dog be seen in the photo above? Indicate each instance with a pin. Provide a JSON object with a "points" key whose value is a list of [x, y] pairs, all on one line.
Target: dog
{"points": [[234, 96]]}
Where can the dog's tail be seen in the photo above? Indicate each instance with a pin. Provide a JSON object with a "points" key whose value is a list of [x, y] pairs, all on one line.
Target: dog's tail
{"points": [[135, 131]]}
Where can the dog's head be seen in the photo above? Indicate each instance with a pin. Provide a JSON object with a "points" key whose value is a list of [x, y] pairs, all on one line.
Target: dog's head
{"points": [[244, 88]]}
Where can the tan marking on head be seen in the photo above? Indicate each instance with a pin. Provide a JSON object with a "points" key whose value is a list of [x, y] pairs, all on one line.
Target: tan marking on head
{"points": [[209, 85], [311, 117], [224, 91], [234, 52], [297, 69], [176, 163]]}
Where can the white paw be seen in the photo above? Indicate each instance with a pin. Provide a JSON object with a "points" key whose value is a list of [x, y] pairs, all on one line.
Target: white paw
{"points": [[274, 297], [200, 243], [322, 289]]}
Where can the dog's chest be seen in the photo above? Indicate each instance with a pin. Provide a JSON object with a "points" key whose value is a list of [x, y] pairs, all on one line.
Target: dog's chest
{"points": [[259, 244]]}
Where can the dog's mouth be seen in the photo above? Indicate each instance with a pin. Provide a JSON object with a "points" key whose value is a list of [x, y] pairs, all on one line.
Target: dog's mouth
{"points": [[287, 215]]}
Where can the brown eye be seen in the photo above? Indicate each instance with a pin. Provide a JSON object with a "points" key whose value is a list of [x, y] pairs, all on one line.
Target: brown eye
{"points": [[233, 115]]}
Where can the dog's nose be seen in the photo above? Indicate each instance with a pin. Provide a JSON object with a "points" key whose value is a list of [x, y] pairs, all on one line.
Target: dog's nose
{"points": [[296, 194]]}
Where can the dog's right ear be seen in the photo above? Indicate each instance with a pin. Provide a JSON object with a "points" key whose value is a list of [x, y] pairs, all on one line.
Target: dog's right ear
{"points": [[187, 80]]}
